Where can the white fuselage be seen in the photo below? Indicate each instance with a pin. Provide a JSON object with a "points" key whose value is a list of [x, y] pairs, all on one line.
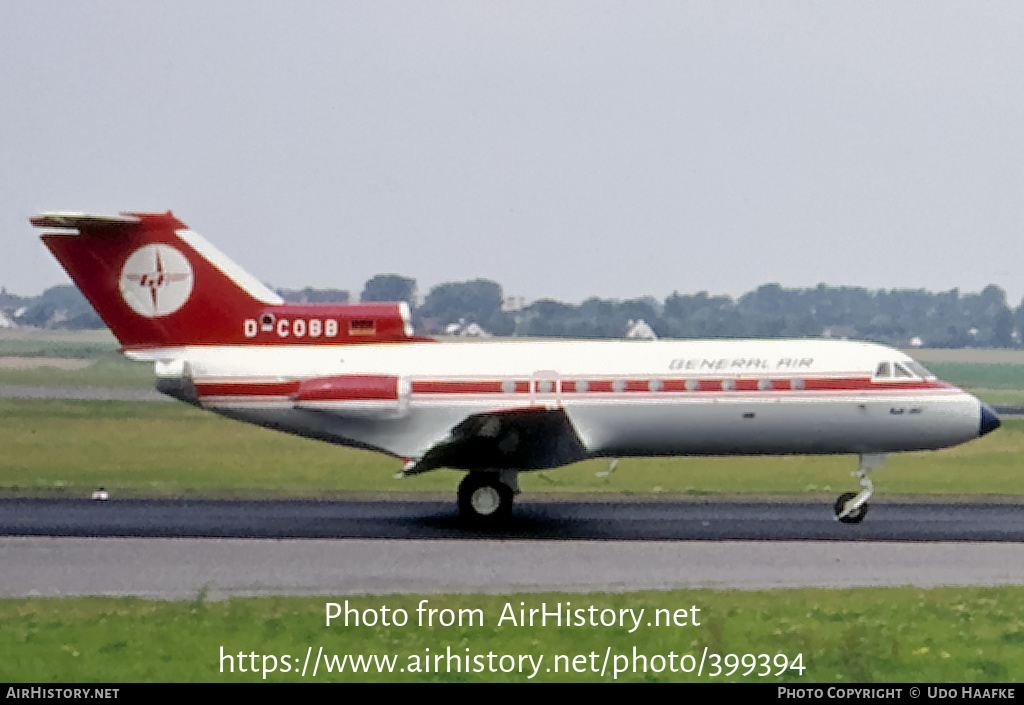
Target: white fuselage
{"points": [[623, 398]]}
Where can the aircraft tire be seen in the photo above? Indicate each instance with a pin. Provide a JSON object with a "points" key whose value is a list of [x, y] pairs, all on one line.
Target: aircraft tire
{"points": [[855, 518], [483, 498]]}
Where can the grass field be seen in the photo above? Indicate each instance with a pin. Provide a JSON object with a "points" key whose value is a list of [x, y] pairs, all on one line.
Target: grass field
{"points": [[34, 347], [980, 376], [144, 449], [109, 367], [842, 636], [1000, 384], [112, 370]]}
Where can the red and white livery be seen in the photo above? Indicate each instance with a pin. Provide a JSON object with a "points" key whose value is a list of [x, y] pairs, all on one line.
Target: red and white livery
{"points": [[356, 375]]}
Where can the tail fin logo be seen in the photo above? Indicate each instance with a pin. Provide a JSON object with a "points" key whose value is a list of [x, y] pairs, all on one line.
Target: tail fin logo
{"points": [[156, 280]]}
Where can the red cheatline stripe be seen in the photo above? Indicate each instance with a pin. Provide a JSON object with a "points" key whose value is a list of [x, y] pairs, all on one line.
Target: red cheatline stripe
{"points": [[230, 389], [358, 387], [443, 386]]}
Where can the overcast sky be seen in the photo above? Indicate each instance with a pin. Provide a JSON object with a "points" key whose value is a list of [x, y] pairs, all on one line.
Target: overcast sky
{"points": [[563, 149]]}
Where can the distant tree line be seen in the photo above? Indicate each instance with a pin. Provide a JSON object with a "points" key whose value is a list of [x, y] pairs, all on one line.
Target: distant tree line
{"points": [[896, 317], [57, 307]]}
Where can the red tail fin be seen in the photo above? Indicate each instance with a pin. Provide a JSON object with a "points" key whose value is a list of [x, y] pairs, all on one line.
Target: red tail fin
{"points": [[156, 283]]}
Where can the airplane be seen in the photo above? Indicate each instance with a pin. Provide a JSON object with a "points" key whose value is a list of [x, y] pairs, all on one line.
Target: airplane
{"points": [[357, 375]]}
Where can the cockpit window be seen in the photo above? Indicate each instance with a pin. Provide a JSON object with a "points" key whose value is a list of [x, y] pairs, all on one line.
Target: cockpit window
{"points": [[904, 369], [918, 369]]}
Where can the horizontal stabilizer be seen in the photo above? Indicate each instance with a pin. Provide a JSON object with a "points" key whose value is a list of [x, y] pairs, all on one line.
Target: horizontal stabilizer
{"points": [[81, 221]]}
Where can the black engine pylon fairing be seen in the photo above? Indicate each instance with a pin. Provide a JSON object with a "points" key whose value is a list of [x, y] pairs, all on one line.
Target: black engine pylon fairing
{"points": [[524, 439]]}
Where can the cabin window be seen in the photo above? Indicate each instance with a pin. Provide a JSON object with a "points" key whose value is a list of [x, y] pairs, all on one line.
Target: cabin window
{"points": [[581, 385], [619, 386], [508, 386], [362, 326], [655, 385], [692, 385], [796, 384], [764, 384], [884, 370], [728, 385], [545, 386]]}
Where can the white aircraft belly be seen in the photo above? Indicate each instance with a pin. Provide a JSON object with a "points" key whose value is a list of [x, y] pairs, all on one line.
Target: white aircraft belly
{"points": [[721, 426], [780, 426]]}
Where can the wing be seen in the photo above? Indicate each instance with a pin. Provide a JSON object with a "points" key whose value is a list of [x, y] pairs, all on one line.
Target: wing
{"points": [[522, 439]]}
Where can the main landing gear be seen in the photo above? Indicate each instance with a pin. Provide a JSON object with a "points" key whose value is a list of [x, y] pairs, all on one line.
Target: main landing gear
{"points": [[485, 496], [851, 507]]}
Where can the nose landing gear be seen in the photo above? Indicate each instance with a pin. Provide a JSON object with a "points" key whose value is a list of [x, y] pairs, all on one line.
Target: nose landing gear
{"points": [[852, 516], [851, 507]]}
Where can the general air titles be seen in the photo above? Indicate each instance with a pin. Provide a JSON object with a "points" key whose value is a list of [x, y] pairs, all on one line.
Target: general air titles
{"points": [[698, 364]]}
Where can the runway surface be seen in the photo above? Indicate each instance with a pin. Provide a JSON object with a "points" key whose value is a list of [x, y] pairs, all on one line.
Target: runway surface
{"points": [[174, 549], [534, 518]]}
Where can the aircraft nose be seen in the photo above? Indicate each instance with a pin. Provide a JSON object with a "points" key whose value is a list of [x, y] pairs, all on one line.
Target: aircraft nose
{"points": [[989, 420]]}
